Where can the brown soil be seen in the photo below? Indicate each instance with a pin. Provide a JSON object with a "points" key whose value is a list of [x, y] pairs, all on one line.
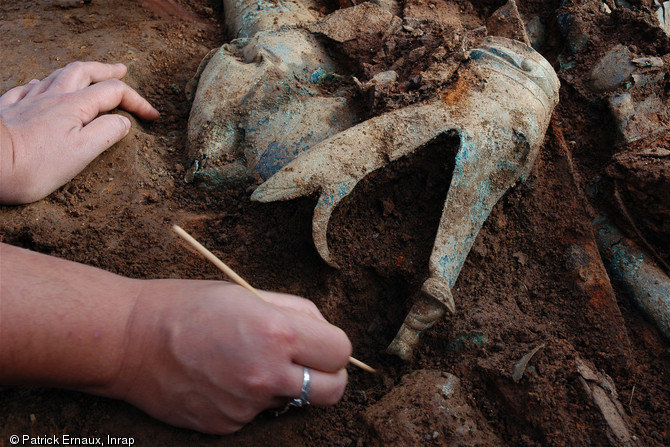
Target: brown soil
{"points": [[533, 277]]}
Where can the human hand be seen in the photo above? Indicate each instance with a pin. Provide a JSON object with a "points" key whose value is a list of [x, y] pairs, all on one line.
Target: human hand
{"points": [[49, 131], [210, 356]]}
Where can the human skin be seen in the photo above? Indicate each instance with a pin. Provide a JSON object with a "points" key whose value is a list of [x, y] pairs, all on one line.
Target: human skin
{"points": [[50, 129], [205, 355]]}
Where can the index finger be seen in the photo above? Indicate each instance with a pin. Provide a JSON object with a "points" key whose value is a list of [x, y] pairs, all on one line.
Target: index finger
{"points": [[319, 344], [78, 75], [107, 95]]}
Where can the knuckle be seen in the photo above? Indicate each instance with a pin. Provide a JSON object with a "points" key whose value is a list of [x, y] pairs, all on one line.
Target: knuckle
{"points": [[226, 424], [76, 65], [114, 83], [311, 307], [240, 415], [279, 332], [246, 415], [259, 382]]}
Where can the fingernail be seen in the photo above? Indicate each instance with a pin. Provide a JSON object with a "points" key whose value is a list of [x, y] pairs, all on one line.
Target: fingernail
{"points": [[126, 122]]}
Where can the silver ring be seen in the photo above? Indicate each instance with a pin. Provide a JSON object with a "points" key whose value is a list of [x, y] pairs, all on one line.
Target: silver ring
{"points": [[304, 391]]}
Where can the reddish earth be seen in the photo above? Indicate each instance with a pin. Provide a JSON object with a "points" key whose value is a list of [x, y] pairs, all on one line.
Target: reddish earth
{"points": [[534, 276]]}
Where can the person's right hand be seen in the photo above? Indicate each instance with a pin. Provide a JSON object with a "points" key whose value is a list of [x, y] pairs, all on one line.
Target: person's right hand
{"points": [[210, 355], [50, 129]]}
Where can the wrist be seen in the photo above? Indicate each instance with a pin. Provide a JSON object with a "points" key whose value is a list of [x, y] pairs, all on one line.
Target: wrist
{"points": [[127, 350], [140, 342]]}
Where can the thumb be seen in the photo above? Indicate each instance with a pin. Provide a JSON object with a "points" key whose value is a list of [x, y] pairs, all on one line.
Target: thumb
{"points": [[101, 134]]}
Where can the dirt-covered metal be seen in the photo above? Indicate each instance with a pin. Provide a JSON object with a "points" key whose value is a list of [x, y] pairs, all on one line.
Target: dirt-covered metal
{"points": [[258, 102], [499, 107], [641, 278]]}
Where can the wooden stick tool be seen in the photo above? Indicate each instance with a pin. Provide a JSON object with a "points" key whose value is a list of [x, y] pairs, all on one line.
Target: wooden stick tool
{"points": [[238, 279]]}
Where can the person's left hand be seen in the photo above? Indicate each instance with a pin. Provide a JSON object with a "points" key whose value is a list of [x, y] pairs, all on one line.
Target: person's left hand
{"points": [[50, 129]]}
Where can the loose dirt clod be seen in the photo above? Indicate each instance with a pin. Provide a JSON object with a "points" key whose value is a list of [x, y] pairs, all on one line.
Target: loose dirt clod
{"points": [[453, 420]]}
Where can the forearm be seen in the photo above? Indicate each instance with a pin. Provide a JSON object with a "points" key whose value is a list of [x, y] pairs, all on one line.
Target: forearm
{"points": [[61, 323]]}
